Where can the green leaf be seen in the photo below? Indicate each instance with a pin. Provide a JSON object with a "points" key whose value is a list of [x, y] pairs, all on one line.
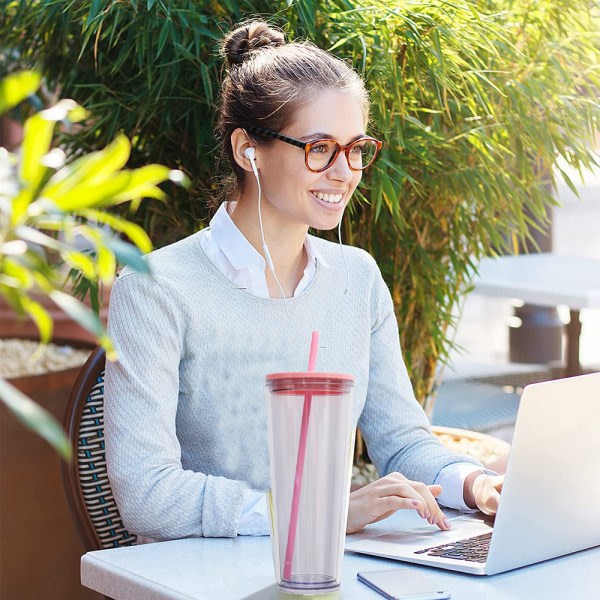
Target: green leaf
{"points": [[35, 417], [80, 261], [106, 265], [40, 317], [142, 183], [569, 182], [37, 138], [94, 170], [77, 193], [95, 7], [20, 273], [37, 237], [79, 312], [134, 232], [15, 88], [127, 254]]}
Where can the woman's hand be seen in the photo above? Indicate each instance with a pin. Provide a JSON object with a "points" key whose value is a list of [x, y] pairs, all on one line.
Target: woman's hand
{"points": [[383, 497], [482, 491]]}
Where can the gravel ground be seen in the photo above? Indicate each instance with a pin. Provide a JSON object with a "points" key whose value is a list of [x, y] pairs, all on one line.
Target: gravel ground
{"points": [[26, 357]]}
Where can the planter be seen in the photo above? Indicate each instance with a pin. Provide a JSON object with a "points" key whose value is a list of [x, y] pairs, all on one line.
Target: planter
{"points": [[492, 452], [39, 545], [11, 325]]}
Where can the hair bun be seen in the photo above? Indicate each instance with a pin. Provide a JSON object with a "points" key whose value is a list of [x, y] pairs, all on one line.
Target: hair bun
{"points": [[239, 45]]}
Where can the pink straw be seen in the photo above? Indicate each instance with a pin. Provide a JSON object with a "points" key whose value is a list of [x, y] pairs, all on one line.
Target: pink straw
{"points": [[291, 541]]}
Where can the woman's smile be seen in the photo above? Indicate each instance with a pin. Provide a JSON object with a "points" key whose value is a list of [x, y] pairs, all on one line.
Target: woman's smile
{"points": [[330, 197]]}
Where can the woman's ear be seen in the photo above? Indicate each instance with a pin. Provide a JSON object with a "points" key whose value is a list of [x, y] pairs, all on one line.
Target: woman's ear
{"points": [[240, 143]]}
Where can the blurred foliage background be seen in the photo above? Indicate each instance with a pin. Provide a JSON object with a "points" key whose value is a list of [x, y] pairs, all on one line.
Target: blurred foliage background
{"points": [[474, 100]]}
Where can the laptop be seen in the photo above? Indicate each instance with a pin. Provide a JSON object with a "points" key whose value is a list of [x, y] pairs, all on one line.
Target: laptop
{"points": [[549, 501]]}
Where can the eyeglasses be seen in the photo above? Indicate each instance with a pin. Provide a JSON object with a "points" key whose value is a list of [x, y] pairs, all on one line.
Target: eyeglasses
{"points": [[319, 155]]}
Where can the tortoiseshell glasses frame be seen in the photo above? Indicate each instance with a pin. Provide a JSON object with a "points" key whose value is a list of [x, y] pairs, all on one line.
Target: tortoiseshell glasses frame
{"points": [[367, 147]]}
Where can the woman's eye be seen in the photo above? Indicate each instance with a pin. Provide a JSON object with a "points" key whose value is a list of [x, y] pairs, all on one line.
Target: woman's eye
{"points": [[319, 149], [358, 149]]}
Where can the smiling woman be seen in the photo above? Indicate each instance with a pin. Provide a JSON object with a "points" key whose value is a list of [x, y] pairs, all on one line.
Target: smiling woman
{"points": [[186, 431]]}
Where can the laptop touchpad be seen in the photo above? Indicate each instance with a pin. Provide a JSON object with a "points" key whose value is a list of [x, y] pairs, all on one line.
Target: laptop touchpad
{"points": [[462, 527]]}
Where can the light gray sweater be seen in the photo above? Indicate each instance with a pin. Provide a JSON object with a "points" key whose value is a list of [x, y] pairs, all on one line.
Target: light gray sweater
{"points": [[185, 419]]}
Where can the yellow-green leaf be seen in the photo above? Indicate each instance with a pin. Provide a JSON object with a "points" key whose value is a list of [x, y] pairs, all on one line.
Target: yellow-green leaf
{"points": [[106, 264], [82, 262], [37, 137], [127, 254], [142, 183], [74, 193], [133, 231], [79, 312], [93, 170], [35, 417], [37, 237], [22, 274], [15, 88], [40, 317]]}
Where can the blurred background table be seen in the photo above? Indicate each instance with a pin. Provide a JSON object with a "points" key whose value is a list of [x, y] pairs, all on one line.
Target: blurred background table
{"points": [[546, 279]]}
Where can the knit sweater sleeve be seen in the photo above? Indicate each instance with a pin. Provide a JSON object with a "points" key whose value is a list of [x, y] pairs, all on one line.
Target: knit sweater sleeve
{"points": [[395, 428], [156, 496]]}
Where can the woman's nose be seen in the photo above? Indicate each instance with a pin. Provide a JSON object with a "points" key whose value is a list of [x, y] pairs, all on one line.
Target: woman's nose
{"points": [[340, 169]]}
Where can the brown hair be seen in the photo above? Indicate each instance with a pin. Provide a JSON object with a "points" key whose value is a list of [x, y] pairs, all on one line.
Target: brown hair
{"points": [[267, 80]]}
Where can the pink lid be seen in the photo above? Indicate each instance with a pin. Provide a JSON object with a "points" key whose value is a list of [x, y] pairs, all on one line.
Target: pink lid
{"points": [[310, 375]]}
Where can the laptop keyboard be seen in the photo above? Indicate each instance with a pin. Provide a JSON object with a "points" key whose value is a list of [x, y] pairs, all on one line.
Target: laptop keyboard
{"points": [[474, 549]]}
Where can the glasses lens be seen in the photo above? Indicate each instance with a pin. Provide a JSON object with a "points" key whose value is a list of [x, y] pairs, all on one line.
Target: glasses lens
{"points": [[362, 153], [321, 154]]}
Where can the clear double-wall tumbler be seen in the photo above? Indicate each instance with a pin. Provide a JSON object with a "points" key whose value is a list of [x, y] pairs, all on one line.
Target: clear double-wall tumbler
{"points": [[311, 442]]}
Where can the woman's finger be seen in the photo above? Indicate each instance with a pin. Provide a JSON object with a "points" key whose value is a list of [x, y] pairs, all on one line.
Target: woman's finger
{"points": [[486, 491], [380, 499], [425, 495]]}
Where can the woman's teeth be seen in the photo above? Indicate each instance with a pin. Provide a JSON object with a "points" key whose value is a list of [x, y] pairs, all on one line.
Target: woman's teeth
{"points": [[333, 198]]}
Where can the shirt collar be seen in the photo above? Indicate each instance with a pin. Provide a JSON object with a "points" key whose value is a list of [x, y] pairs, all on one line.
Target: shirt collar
{"points": [[231, 241], [313, 252], [240, 252]]}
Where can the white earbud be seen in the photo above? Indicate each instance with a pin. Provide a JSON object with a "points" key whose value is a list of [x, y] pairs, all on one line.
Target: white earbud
{"points": [[250, 154]]}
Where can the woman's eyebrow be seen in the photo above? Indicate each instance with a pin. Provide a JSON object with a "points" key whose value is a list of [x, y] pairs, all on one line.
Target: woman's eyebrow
{"points": [[320, 135]]}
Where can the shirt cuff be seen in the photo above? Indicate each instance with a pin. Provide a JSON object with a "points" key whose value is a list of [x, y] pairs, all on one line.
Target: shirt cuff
{"points": [[254, 518], [452, 479]]}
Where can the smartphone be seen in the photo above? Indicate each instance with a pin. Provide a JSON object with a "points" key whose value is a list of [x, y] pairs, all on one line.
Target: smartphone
{"points": [[403, 584]]}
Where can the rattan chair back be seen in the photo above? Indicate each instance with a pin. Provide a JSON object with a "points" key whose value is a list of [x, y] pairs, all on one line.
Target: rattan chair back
{"points": [[85, 477]]}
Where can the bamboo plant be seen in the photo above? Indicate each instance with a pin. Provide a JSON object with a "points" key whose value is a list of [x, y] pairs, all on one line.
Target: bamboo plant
{"points": [[475, 102]]}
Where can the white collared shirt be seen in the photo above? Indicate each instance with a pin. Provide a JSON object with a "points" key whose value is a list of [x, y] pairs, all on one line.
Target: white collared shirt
{"points": [[237, 259]]}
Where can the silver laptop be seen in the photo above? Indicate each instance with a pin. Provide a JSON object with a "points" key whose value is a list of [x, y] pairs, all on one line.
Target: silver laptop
{"points": [[549, 501]]}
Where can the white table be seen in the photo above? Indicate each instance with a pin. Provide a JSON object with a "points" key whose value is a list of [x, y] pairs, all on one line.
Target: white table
{"points": [[242, 569], [546, 279]]}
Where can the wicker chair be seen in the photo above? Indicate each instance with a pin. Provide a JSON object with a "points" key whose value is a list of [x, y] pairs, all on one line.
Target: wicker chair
{"points": [[85, 478]]}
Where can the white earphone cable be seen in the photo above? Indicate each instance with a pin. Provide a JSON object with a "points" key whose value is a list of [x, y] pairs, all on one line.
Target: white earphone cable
{"points": [[343, 256], [250, 155], [262, 233]]}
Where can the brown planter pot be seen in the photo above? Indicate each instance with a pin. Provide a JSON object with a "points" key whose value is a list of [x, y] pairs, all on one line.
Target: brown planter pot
{"points": [[40, 549], [491, 451], [11, 325]]}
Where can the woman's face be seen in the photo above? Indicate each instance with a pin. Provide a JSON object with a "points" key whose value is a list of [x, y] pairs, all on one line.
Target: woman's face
{"points": [[294, 195]]}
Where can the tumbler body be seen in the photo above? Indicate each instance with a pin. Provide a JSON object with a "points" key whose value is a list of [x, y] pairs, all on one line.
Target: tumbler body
{"points": [[315, 560]]}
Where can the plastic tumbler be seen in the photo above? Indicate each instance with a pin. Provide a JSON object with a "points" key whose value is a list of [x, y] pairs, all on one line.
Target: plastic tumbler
{"points": [[311, 442]]}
